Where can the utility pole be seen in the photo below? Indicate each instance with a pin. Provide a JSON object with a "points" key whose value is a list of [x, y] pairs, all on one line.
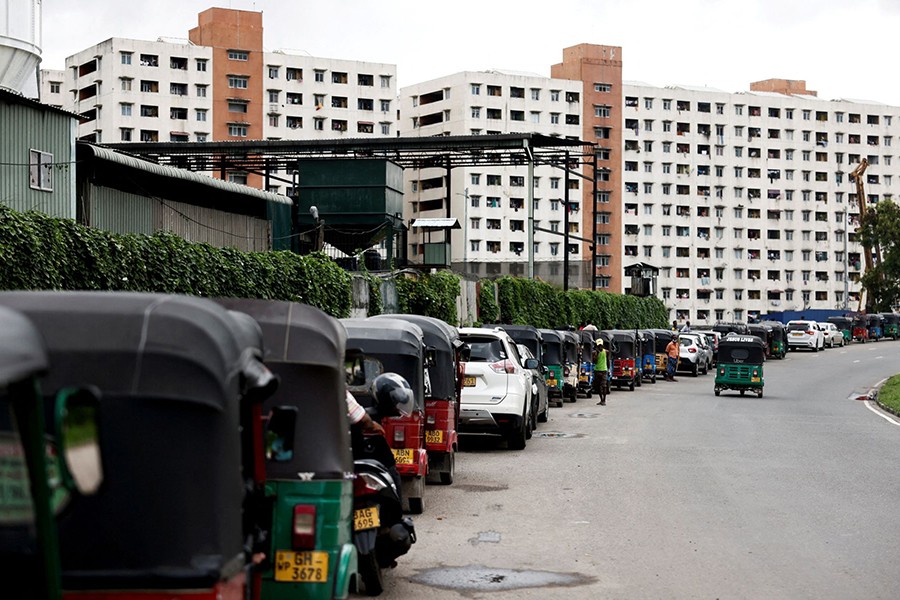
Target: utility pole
{"points": [[593, 269], [566, 228], [529, 198]]}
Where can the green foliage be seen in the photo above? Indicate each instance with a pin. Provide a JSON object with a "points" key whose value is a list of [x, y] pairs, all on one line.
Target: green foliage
{"points": [[889, 394], [880, 227], [531, 302], [376, 302], [39, 252], [488, 310], [432, 295]]}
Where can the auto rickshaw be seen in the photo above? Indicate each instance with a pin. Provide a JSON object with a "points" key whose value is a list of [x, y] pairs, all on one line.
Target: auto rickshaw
{"points": [[400, 347], [586, 360], [553, 359], [764, 333], [625, 368], [307, 451], [663, 337], [443, 394], [844, 325], [891, 325], [777, 339], [648, 353], [172, 510], [740, 365], [572, 356], [860, 328], [39, 478], [533, 339], [725, 328], [875, 325]]}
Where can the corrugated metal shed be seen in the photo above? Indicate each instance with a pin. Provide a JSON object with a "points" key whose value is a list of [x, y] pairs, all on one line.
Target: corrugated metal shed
{"points": [[26, 126]]}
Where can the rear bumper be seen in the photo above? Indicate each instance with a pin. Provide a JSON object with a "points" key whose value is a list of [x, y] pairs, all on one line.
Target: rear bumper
{"points": [[480, 421]]}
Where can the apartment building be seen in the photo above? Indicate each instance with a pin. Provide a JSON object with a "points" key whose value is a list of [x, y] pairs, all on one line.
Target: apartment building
{"points": [[743, 199], [220, 84], [489, 202]]}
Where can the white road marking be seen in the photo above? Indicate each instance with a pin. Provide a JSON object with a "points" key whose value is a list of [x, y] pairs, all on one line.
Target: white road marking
{"points": [[887, 417], [855, 361], [877, 357]]}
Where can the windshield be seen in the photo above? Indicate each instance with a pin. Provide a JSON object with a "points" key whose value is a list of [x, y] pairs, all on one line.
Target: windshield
{"points": [[796, 327], [485, 349], [552, 353]]}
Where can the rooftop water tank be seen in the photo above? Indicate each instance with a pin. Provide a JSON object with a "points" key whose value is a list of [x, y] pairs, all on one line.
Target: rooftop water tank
{"points": [[20, 42]]}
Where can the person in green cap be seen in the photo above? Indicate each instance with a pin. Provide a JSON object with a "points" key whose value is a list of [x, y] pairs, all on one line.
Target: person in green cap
{"points": [[601, 371]]}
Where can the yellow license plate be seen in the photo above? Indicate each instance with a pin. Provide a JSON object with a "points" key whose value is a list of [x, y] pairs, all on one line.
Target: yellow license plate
{"points": [[434, 437], [366, 518], [551, 382], [301, 567], [404, 456], [754, 380], [582, 378], [469, 382]]}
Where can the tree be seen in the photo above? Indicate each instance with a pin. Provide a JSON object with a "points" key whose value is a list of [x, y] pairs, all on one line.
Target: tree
{"points": [[880, 227]]}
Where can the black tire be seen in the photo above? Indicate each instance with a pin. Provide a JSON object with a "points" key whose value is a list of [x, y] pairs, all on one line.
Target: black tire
{"points": [[589, 394], [759, 394], [695, 370], [529, 428], [631, 386], [447, 476], [815, 348], [417, 505], [653, 378], [718, 392], [517, 438], [371, 575], [742, 392], [638, 382], [544, 416]]}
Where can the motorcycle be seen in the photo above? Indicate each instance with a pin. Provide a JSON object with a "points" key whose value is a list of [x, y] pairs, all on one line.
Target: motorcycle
{"points": [[381, 533]]}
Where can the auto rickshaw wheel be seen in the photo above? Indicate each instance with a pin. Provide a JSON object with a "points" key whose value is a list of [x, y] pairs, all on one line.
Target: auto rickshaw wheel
{"points": [[638, 382], [759, 393], [742, 392], [371, 575], [447, 476], [653, 378], [631, 386], [718, 391]]}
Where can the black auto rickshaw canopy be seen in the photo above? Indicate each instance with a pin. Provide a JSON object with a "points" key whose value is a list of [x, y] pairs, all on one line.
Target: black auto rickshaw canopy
{"points": [[571, 343], [587, 344], [741, 349], [170, 370], [444, 340], [399, 345], [649, 340], [875, 320], [760, 330], [553, 346], [662, 339], [625, 342], [527, 335], [841, 323], [891, 318], [22, 351], [776, 329], [305, 348], [735, 327]]}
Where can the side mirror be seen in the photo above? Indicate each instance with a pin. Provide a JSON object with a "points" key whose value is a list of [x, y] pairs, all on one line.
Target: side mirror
{"points": [[430, 356], [531, 363], [78, 436], [465, 353], [545, 369]]}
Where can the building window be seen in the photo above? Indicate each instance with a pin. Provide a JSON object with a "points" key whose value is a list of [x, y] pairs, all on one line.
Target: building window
{"points": [[603, 87], [238, 55], [238, 107], [126, 110], [273, 72], [149, 60], [126, 134], [237, 130], [201, 91], [385, 81], [238, 82], [126, 58], [201, 64], [201, 114], [40, 170]]}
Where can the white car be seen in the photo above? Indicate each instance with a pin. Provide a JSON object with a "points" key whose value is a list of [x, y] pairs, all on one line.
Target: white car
{"points": [[695, 353], [805, 334], [833, 335], [496, 395]]}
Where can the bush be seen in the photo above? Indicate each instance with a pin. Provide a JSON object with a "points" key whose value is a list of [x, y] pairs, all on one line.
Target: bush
{"points": [[432, 295], [488, 310], [39, 252]]}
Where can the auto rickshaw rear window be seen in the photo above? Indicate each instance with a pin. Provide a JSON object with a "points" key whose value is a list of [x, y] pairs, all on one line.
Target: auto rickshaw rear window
{"points": [[739, 354], [485, 349]]}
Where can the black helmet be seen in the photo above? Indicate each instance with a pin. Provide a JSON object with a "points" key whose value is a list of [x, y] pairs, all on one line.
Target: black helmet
{"points": [[392, 393]]}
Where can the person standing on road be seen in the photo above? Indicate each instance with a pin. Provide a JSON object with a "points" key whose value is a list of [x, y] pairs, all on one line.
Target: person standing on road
{"points": [[672, 352], [601, 371]]}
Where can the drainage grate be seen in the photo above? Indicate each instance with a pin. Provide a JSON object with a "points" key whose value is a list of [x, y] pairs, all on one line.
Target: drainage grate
{"points": [[557, 434], [584, 415], [483, 579]]}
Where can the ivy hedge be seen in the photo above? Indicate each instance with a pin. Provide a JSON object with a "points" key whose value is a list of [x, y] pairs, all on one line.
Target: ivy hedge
{"points": [[42, 252], [432, 295], [488, 310]]}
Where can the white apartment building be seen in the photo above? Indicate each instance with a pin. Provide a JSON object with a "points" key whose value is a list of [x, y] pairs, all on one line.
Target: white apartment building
{"points": [[489, 202], [743, 199], [52, 82]]}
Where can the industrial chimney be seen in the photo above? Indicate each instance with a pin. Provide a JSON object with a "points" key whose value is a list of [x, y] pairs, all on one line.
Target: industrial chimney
{"points": [[20, 43]]}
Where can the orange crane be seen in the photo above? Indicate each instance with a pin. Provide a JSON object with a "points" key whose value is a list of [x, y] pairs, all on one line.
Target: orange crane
{"points": [[857, 176]]}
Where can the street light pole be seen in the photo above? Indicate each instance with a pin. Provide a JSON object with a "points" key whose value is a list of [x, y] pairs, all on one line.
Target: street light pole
{"points": [[846, 262], [566, 228], [530, 200]]}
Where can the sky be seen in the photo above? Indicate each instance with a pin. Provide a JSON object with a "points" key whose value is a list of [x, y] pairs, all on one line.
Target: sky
{"points": [[841, 48]]}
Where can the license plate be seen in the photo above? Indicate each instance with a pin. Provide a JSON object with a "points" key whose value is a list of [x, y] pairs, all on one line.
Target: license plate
{"points": [[583, 378], [434, 437], [366, 518], [404, 456], [796, 333], [301, 567], [469, 382], [551, 382], [754, 380]]}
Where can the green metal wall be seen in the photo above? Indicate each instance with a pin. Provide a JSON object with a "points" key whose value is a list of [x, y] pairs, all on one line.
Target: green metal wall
{"points": [[350, 191], [121, 212], [22, 128]]}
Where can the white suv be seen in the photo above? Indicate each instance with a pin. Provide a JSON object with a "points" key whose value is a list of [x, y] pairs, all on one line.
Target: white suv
{"points": [[695, 353], [833, 335], [805, 334], [496, 395]]}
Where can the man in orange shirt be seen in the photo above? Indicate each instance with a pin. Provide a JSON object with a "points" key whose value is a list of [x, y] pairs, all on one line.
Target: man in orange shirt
{"points": [[672, 351]]}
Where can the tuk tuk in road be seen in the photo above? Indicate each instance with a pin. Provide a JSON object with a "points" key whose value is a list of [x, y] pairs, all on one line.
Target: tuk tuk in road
{"points": [[663, 337], [725, 328], [308, 464], [891, 325], [625, 359], [443, 392], [763, 332], [740, 365], [844, 325], [875, 325], [860, 328], [532, 339], [37, 478], [553, 359], [572, 356], [648, 353], [172, 510], [586, 360], [777, 339], [400, 347]]}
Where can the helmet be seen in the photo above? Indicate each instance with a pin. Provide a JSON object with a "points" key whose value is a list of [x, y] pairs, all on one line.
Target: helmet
{"points": [[392, 393]]}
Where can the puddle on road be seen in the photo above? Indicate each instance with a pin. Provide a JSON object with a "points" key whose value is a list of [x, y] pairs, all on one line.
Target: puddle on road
{"points": [[484, 579], [557, 434], [584, 415]]}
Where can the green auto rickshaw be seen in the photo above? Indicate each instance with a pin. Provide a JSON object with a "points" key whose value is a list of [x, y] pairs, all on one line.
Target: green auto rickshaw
{"points": [[845, 326], [554, 360], [891, 325], [740, 365]]}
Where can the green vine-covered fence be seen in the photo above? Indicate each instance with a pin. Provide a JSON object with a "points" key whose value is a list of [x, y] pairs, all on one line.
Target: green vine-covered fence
{"points": [[41, 252]]}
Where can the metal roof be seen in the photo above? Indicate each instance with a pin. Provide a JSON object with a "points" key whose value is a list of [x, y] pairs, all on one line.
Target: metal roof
{"points": [[436, 223]]}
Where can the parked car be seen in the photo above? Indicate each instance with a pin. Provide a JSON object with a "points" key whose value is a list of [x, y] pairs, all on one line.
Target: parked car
{"points": [[713, 337], [540, 398], [805, 334], [496, 396], [695, 353], [833, 335]]}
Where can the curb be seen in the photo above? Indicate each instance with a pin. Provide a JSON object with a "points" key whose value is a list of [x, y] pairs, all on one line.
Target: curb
{"points": [[873, 394]]}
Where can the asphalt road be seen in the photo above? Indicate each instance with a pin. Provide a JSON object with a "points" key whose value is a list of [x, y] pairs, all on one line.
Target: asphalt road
{"points": [[670, 492]]}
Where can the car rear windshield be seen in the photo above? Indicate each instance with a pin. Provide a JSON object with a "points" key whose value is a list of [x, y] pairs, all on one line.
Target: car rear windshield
{"points": [[686, 341], [485, 349], [796, 327]]}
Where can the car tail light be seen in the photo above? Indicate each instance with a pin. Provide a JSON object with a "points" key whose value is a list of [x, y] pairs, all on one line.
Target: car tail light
{"points": [[722, 371], [809, 333], [366, 485], [755, 372], [303, 533], [692, 350], [399, 435], [504, 366]]}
